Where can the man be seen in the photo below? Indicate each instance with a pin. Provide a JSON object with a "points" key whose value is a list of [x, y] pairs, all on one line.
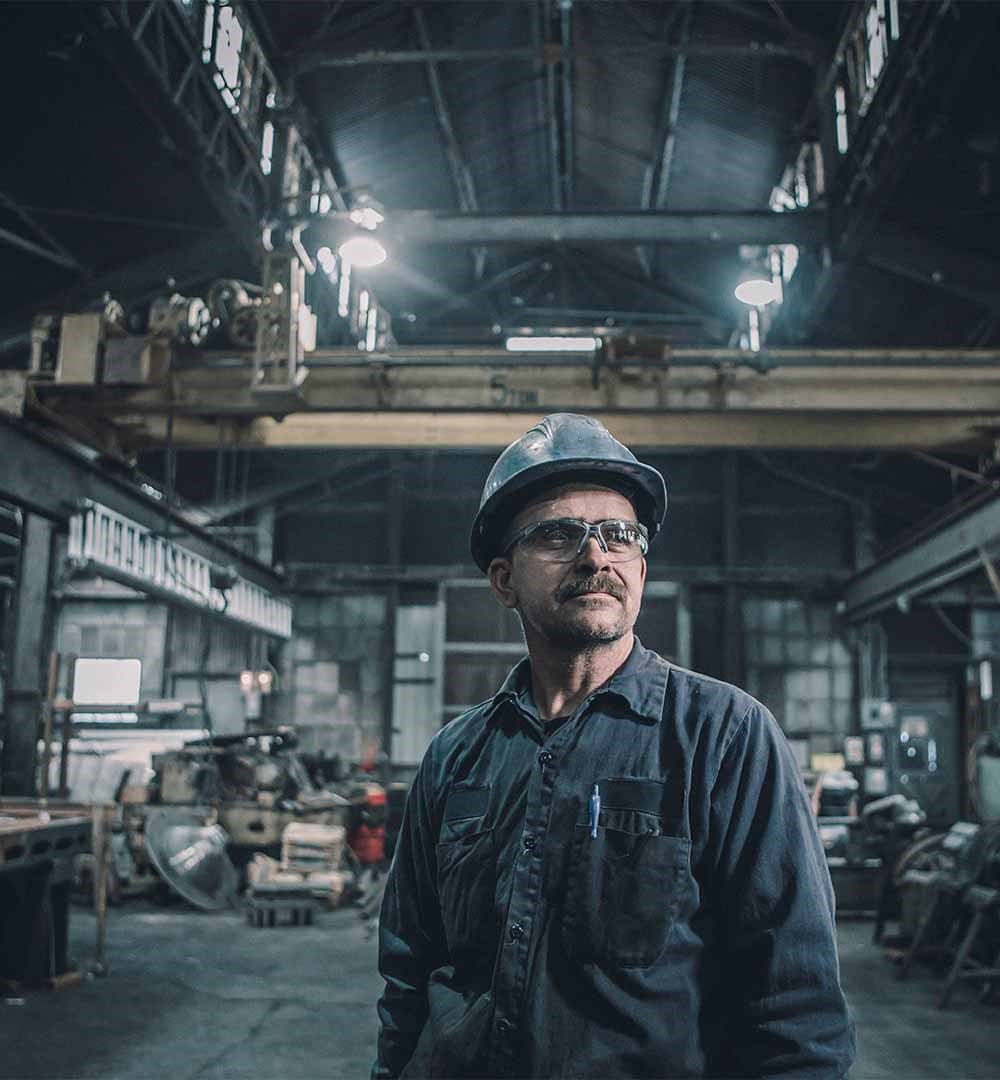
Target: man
{"points": [[609, 869]]}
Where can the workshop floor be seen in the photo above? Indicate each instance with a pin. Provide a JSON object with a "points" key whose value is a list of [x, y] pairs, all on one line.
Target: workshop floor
{"points": [[205, 996]]}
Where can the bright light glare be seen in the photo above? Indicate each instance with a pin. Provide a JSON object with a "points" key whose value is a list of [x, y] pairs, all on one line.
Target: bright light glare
{"points": [[367, 217], [754, 330], [757, 292], [362, 251], [326, 260], [552, 344]]}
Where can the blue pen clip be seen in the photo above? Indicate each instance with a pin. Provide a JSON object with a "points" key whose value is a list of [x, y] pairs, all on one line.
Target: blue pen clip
{"points": [[595, 811]]}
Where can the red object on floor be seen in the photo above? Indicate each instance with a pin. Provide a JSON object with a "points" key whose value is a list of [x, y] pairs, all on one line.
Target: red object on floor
{"points": [[368, 844]]}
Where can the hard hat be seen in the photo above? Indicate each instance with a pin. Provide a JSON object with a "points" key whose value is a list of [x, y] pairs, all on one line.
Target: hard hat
{"points": [[562, 447]]}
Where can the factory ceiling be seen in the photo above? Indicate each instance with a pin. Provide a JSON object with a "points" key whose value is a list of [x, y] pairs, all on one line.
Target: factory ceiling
{"points": [[696, 115], [553, 167]]}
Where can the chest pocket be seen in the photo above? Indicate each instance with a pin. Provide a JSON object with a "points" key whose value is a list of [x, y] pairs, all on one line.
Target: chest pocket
{"points": [[625, 885], [466, 874]]}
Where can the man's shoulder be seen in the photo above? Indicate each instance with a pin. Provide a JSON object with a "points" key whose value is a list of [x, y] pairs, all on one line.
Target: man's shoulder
{"points": [[711, 693], [456, 729], [712, 707]]}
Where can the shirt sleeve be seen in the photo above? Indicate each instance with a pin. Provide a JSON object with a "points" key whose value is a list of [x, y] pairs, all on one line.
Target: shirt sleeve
{"points": [[785, 1014], [411, 936]]}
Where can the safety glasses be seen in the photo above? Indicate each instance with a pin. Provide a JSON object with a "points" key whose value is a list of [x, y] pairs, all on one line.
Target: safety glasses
{"points": [[563, 539]]}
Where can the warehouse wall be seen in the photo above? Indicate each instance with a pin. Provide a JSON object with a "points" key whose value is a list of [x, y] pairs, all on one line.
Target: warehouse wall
{"points": [[182, 651], [756, 543], [333, 673], [781, 523], [113, 623]]}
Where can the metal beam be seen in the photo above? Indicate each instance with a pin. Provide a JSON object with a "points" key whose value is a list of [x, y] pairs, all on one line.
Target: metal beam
{"points": [[567, 122], [658, 174], [806, 228], [209, 256], [780, 24], [13, 239], [939, 557], [503, 277], [910, 254], [916, 77], [761, 50], [461, 174], [656, 182], [52, 250], [215, 515], [552, 126], [47, 478], [171, 72], [694, 394], [323, 577], [428, 430], [668, 287]]}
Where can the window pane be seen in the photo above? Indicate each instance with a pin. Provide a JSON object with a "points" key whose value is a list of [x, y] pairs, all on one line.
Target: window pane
{"points": [[795, 618], [471, 679], [476, 615], [842, 717], [821, 652], [819, 685], [106, 682], [842, 684], [798, 652], [841, 657]]}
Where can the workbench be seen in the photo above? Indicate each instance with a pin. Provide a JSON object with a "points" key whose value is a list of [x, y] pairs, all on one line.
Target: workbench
{"points": [[39, 841]]}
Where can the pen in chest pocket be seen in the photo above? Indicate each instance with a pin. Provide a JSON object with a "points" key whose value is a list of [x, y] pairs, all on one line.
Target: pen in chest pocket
{"points": [[595, 810]]}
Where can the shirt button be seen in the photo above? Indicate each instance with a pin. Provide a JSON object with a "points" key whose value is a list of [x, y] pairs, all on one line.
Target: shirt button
{"points": [[504, 1027], [546, 757], [516, 931], [529, 843]]}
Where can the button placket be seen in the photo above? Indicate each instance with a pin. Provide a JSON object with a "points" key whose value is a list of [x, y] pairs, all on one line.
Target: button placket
{"points": [[524, 899]]}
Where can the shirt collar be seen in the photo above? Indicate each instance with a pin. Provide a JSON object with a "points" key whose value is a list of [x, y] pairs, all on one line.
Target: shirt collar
{"points": [[641, 682]]}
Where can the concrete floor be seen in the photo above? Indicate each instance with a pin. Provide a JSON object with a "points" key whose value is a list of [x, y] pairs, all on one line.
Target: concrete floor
{"points": [[200, 996]]}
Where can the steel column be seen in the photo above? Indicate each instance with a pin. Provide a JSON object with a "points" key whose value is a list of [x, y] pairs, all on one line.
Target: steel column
{"points": [[24, 695]]}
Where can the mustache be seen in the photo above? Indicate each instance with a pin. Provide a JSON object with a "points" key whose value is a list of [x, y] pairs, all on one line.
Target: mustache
{"points": [[596, 583]]}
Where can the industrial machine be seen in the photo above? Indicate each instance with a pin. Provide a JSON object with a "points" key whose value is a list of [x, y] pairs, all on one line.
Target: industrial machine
{"points": [[255, 784]]}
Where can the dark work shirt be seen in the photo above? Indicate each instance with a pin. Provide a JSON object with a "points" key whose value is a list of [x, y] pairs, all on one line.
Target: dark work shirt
{"points": [[693, 937]]}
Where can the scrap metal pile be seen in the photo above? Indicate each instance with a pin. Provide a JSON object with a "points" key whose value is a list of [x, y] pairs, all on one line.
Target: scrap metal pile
{"points": [[215, 804]]}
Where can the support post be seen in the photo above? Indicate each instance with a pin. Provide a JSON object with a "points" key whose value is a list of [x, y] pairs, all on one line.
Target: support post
{"points": [[732, 622], [23, 705], [394, 533]]}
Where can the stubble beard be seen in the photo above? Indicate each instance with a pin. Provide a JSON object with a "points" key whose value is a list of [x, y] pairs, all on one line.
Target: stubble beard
{"points": [[573, 631]]}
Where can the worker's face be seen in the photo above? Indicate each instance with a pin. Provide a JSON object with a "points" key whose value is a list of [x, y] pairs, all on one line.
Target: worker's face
{"points": [[589, 601]]}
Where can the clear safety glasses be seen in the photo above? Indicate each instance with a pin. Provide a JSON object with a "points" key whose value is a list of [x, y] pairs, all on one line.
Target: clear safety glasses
{"points": [[563, 539]]}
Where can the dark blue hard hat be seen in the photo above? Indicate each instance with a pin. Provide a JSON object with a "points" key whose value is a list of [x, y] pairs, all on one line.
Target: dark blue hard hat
{"points": [[561, 448]]}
